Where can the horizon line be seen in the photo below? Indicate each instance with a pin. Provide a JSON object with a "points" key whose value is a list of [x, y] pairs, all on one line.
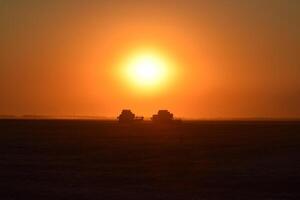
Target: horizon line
{"points": [[110, 118]]}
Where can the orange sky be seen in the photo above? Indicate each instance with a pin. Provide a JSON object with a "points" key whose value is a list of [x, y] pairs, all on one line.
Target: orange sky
{"points": [[233, 59]]}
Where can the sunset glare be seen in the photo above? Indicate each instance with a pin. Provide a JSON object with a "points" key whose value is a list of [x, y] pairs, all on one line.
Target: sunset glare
{"points": [[147, 71], [199, 59]]}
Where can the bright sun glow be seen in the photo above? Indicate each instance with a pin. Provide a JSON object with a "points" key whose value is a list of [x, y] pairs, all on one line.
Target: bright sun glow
{"points": [[147, 70]]}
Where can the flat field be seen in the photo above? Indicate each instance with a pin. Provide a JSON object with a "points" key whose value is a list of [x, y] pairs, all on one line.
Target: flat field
{"points": [[90, 159]]}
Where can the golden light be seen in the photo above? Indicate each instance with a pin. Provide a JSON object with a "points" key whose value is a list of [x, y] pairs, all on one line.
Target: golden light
{"points": [[147, 71]]}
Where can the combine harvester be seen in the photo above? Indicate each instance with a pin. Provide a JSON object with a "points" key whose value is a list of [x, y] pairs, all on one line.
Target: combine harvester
{"points": [[162, 117], [127, 116]]}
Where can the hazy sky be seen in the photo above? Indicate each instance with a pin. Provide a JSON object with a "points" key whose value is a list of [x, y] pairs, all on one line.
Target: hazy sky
{"points": [[235, 58]]}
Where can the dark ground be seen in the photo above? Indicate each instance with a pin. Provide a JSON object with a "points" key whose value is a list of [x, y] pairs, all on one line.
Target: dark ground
{"points": [[73, 159]]}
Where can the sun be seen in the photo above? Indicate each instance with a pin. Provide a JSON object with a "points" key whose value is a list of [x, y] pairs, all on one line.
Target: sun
{"points": [[147, 70]]}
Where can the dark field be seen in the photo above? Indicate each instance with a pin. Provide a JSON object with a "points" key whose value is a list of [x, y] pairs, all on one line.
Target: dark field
{"points": [[73, 159]]}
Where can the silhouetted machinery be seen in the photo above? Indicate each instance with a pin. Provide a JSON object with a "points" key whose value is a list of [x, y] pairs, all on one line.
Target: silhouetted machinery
{"points": [[163, 116], [127, 116]]}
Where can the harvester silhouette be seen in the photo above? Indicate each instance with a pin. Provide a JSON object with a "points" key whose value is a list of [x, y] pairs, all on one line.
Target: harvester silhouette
{"points": [[127, 116], [162, 116]]}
